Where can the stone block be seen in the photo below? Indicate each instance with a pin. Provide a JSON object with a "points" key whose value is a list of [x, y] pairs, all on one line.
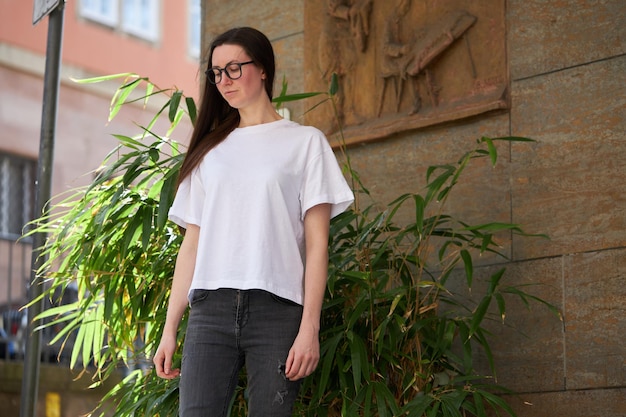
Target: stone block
{"points": [[549, 36], [276, 18], [290, 68], [595, 325], [586, 403], [569, 184], [398, 165], [528, 345]]}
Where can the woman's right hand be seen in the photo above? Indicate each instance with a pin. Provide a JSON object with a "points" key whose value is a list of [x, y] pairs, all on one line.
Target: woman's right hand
{"points": [[163, 358], [183, 275]]}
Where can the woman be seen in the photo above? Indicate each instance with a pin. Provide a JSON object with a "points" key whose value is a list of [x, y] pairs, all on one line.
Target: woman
{"points": [[256, 194]]}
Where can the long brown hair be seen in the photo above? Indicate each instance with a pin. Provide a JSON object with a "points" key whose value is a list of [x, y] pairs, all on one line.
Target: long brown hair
{"points": [[216, 118]]}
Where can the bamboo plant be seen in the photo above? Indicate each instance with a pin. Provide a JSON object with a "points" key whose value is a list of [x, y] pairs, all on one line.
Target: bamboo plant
{"points": [[395, 340]]}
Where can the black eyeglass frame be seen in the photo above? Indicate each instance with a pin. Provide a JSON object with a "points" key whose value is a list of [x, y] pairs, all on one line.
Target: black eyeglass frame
{"points": [[213, 78]]}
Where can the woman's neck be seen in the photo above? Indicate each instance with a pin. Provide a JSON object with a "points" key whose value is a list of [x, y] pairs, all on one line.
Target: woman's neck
{"points": [[266, 114]]}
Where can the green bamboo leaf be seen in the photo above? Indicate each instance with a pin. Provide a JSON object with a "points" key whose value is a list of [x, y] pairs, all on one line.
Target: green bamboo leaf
{"points": [[494, 227], [479, 314], [524, 296], [98, 339], [397, 203], [394, 304], [385, 396], [128, 141], [58, 311], [154, 155], [433, 188], [165, 199], [367, 406], [444, 193], [356, 400], [501, 305], [329, 349], [121, 95], [191, 109], [177, 118], [283, 89], [334, 85], [481, 339], [358, 357], [434, 410], [357, 275], [420, 208], [379, 336], [494, 281], [93, 80], [149, 92], [469, 267], [326, 100], [497, 402], [76, 319], [133, 230], [294, 97], [90, 325], [450, 405], [148, 128], [174, 103], [493, 153], [78, 346], [486, 242], [449, 331], [418, 405], [135, 169], [514, 139], [146, 229], [357, 312]]}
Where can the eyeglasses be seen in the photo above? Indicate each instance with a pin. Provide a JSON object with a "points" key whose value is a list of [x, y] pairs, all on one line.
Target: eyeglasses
{"points": [[232, 70]]}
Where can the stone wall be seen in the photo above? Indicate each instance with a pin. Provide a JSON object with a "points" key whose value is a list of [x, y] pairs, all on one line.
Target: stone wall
{"points": [[567, 90], [281, 21]]}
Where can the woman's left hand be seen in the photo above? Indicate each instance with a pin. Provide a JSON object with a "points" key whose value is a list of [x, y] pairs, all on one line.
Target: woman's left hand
{"points": [[304, 354]]}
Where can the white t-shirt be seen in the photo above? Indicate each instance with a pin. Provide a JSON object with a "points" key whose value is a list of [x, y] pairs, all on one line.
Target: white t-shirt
{"points": [[249, 196]]}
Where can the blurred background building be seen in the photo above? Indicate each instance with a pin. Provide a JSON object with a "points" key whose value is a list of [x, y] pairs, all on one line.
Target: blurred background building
{"points": [[153, 38]]}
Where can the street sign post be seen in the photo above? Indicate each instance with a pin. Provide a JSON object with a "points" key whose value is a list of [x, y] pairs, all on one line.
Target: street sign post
{"points": [[43, 8], [51, 85]]}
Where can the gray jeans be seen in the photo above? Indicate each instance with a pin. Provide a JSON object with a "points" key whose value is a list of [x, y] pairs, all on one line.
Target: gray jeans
{"points": [[228, 328]]}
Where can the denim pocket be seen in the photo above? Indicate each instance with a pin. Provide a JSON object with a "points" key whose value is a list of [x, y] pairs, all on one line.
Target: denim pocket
{"points": [[198, 295], [284, 301]]}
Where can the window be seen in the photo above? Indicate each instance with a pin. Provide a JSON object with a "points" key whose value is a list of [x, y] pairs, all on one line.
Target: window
{"points": [[17, 193], [102, 11], [194, 28], [136, 17], [140, 18]]}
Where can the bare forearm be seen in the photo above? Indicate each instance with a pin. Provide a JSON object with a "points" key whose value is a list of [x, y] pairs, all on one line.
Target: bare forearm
{"points": [[305, 353], [183, 274], [314, 289], [316, 272]]}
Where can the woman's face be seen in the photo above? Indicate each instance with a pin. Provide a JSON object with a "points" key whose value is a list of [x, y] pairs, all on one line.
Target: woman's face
{"points": [[249, 89]]}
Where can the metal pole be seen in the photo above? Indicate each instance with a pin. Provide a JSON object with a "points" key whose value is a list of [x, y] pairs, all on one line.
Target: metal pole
{"points": [[30, 379]]}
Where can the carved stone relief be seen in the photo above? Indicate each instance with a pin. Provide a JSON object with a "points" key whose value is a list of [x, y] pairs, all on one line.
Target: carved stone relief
{"points": [[405, 64]]}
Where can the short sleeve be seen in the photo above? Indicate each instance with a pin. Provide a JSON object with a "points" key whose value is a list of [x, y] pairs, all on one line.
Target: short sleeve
{"points": [[323, 182], [188, 202]]}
